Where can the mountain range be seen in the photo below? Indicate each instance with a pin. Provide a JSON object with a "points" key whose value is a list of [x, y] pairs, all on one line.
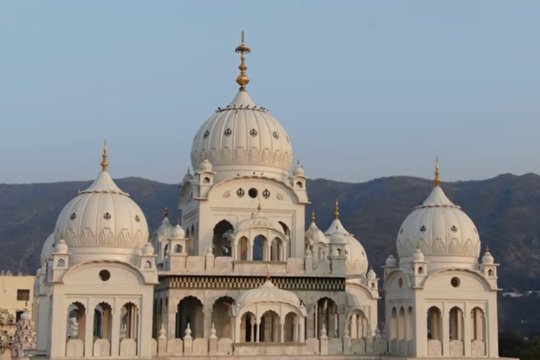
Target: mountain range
{"points": [[505, 209]]}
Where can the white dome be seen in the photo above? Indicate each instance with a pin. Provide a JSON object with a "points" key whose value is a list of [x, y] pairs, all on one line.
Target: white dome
{"points": [[101, 218], [243, 138], [177, 232], [47, 249], [314, 235], [487, 258], [441, 230], [357, 262], [267, 292], [391, 260]]}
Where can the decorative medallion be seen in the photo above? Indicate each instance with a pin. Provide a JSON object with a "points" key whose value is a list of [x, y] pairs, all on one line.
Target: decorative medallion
{"points": [[275, 135], [453, 228], [228, 132], [240, 192], [206, 133], [266, 193], [73, 216], [422, 228], [137, 218], [107, 216], [253, 132]]}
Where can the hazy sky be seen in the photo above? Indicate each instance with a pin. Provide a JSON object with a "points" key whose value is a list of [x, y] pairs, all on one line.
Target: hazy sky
{"points": [[365, 89]]}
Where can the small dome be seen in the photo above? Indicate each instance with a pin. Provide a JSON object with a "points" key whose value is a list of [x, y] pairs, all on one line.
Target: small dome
{"points": [[418, 255], [487, 258], [357, 262], [257, 221], [148, 249], [177, 232], [47, 249], [298, 170], [165, 228], [102, 218], [314, 235], [441, 230], [371, 274], [242, 138], [60, 247], [267, 292], [205, 166], [391, 260]]}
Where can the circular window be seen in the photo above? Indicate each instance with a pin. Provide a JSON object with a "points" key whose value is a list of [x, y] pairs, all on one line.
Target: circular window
{"points": [[104, 275], [253, 193], [455, 281]]}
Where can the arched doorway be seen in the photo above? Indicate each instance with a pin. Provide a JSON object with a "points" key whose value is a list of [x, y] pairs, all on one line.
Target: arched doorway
{"points": [[129, 321], [243, 248], [291, 328], [358, 325], [221, 316], [189, 310], [222, 239], [326, 315], [277, 250]]}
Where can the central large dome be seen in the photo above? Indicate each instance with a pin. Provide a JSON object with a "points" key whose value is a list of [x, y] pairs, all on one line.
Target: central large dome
{"points": [[242, 138]]}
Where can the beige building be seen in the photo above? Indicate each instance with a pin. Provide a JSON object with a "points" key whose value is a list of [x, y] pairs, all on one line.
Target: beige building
{"points": [[243, 275], [16, 294]]}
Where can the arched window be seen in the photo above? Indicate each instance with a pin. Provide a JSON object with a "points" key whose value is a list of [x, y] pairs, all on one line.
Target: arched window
{"points": [[61, 263], [103, 321], [401, 324], [222, 239], [129, 321], [456, 324], [478, 324], [243, 248], [259, 248], [276, 250], [270, 327], [358, 325], [248, 328], [291, 328], [393, 324], [76, 321], [178, 248], [434, 323]]}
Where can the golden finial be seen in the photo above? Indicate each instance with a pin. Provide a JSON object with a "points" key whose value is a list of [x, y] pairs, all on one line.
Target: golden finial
{"points": [[312, 216], [336, 210], [242, 49], [437, 180], [104, 162], [165, 212]]}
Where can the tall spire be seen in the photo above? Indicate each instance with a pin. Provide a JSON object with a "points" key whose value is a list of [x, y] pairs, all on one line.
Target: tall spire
{"points": [[242, 49], [104, 162], [437, 180], [336, 210], [312, 216]]}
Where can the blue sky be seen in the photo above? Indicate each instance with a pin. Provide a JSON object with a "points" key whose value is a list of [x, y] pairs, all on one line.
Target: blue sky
{"points": [[365, 89]]}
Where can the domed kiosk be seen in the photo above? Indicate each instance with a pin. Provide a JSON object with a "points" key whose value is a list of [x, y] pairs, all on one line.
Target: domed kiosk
{"points": [[438, 277], [98, 277]]}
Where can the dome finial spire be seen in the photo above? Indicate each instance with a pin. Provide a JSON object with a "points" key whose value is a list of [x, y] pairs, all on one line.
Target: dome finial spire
{"points": [[242, 49], [437, 180], [104, 162], [312, 215], [336, 210]]}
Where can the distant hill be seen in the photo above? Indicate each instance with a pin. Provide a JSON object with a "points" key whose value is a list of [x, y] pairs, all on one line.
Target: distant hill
{"points": [[506, 210]]}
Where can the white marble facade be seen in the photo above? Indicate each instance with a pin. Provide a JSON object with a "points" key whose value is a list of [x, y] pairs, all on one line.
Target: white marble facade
{"points": [[242, 274]]}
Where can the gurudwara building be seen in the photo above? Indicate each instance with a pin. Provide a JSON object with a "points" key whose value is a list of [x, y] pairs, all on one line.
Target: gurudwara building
{"points": [[243, 275]]}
